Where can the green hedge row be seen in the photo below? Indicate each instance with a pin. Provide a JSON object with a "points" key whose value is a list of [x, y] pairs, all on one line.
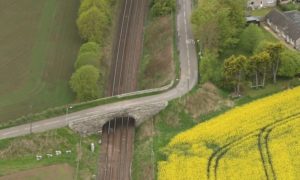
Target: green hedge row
{"points": [[93, 22]]}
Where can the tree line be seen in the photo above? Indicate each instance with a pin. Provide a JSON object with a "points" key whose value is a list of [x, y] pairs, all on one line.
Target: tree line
{"points": [[93, 22]]}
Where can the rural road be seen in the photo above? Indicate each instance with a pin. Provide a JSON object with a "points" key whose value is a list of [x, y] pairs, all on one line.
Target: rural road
{"points": [[188, 79]]}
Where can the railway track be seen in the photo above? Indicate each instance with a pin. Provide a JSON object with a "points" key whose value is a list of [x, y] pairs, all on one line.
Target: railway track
{"points": [[118, 134], [128, 48], [117, 146]]}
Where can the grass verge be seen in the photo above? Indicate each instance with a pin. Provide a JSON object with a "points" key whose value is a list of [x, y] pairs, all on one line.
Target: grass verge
{"points": [[261, 12], [157, 65], [18, 154]]}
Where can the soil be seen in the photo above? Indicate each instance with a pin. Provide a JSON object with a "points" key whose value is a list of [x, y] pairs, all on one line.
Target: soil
{"points": [[205, 100], [62, 171]]}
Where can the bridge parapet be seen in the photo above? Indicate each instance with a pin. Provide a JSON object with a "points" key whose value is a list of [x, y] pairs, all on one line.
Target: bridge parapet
{"points": [[94, 123]]}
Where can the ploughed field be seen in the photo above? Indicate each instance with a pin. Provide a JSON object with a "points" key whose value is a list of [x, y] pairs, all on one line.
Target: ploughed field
{"points": [[38, 46], [260, 140]]}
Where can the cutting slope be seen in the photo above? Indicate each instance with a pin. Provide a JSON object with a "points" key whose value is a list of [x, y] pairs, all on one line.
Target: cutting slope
{"points": [[256, 141], [38, 46]]}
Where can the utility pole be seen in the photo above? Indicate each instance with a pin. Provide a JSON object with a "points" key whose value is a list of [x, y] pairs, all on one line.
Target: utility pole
{"points": [[67, 110], [30, 123]]}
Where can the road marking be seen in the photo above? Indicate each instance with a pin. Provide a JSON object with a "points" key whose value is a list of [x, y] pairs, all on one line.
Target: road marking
{"points": [[187, 48]]}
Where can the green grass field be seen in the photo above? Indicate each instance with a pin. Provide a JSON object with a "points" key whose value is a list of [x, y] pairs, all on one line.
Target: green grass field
{"points": [[261, 12], [18, 155], [38, 46]]}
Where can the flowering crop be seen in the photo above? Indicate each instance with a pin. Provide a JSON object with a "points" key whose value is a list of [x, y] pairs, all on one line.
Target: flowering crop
{"points": [[254, 141]]}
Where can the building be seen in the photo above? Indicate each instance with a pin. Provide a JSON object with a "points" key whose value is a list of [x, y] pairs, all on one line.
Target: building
{"points": [[256, 4], [286, 25], [253, 20]]}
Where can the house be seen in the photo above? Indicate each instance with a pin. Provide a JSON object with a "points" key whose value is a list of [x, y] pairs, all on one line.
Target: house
{"points": [[286, 25], [256, 4]]}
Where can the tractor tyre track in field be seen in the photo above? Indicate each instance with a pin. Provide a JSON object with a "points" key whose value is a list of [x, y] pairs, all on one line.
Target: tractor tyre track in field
{"points": [[214, 159], [265, 153]]}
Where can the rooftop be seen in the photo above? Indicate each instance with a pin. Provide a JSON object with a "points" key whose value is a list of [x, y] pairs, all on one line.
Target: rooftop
{"points": [[289, 22]]}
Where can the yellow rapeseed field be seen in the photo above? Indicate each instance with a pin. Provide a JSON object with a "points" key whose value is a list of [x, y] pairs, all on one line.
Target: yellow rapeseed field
{"points": [[260, 140]]}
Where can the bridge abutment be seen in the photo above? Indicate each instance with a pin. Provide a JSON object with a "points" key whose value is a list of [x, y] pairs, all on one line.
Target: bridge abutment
{"points": [[93, 124]]}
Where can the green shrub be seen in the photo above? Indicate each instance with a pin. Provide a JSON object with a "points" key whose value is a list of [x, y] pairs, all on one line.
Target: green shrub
{"points": [[89, 47], [88, 4], [210, 68], [163, 7], [88, 58], [290, 64], [250, 38], [93, 24]]}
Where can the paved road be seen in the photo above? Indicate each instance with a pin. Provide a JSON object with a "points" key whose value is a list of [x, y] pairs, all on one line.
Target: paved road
{"points": [[188, 79]]}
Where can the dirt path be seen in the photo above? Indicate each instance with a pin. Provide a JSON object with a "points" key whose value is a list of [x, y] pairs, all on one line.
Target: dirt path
{"points": [[62, 171]]}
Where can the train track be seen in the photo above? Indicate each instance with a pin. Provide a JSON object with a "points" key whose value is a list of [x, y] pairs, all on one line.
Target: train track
{"points": [[118, 134], [117, 147], [128, 48]]}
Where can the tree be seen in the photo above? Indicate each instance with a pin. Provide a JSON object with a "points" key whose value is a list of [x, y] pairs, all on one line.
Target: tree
{"points": [[89, 54], [205, 20], [274, 50], [234, 68], [250, 38], [290, 63], [89, 47], [84, 83], [261, 46], [92, 24], [85, 5], [163, 7], [257, 66], [217, 24], [210, 68], [87, 58]]}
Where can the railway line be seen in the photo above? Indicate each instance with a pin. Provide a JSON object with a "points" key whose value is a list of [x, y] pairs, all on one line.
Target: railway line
{"points": [[128, 48], [116, 149], [118, 134]]}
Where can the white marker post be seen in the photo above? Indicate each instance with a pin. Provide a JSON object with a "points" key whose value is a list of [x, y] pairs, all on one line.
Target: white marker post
{"points": [[92, 147], [67, 110]]}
